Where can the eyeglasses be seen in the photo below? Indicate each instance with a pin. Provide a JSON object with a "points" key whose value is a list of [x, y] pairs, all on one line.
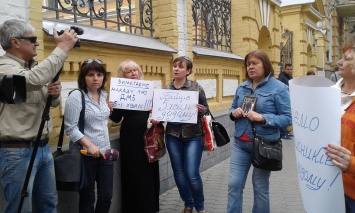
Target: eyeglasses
{"points": [[32, 39], [90, 60]]}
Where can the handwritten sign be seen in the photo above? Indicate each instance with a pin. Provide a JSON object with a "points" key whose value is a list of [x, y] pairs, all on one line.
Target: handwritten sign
{"points": [[175, 106], [316, 123], [131, 94]]}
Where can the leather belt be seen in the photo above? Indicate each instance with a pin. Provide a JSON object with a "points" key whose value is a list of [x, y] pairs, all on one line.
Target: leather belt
{"points": [[22, 144]]}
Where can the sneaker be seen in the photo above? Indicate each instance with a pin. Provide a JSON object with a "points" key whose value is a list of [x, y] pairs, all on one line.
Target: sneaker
{"points": [[287, 137]]}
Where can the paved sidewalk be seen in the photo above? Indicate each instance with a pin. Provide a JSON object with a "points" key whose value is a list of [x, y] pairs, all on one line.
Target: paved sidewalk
{"points": [[284, 193]]}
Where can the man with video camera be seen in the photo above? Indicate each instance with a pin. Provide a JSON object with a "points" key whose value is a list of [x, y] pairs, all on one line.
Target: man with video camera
{"points": [[19, 123]]}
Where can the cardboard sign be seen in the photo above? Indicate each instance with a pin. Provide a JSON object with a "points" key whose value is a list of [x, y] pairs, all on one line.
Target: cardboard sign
{"points": [[131, 94]]}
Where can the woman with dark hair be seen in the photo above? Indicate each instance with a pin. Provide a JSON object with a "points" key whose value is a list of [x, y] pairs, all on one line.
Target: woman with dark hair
{"points": [[139, 179], [95, 138], [271, 112], [184, 141]]}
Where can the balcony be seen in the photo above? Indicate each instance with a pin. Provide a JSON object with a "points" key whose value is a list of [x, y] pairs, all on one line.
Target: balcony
{"points": [[345, 9]]}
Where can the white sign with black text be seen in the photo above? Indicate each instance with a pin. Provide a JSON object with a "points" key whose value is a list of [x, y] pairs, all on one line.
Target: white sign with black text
{"points": [[175, 106], [131, 94]]}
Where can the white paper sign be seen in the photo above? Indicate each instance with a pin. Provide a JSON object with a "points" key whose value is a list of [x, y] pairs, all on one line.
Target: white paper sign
{"points": [[316, 123], [131, 94], [175, 106]]}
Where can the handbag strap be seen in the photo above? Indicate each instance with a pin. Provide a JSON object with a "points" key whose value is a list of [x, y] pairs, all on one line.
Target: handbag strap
{"points": [[81, 123], [209, 112], [253, 129]]}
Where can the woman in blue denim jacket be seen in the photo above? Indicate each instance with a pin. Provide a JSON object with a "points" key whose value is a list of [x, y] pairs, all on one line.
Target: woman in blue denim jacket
{"points": [[271, 111]]}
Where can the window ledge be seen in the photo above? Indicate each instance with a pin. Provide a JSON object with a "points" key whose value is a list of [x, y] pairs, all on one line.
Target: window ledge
{"points": [[106, 36], [203, 51]]}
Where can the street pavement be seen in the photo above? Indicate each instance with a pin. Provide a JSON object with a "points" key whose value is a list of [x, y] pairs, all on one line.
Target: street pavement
{"points": [[284, 193]]}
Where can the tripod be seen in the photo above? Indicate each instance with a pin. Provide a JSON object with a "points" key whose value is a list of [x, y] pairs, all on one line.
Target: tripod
{"points": [[45, 117]]}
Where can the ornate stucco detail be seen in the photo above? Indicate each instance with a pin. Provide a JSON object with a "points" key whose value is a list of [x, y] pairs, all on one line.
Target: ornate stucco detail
{"points": [[264, 12], [231, 72], [206, 71], [309, 36]]}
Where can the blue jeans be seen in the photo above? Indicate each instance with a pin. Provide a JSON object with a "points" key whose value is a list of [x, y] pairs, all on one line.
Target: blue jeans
{"points": [[185, 156], [240, 163], [349, 205], [100, 171], [41, 187]]}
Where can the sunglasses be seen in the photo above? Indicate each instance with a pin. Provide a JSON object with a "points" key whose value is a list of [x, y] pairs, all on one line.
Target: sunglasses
{"points": [[187, 58], [32, 39], [90, 60]]}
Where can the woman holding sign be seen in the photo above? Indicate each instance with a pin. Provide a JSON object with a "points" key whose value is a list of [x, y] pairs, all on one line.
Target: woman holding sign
{"points": [[271, 111], [139, 178], [343, 156], [184, 141]]}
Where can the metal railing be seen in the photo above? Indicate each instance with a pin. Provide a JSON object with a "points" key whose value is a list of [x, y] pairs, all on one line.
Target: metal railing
{"points": [[212, 19], [286, 49], [111, 14]]}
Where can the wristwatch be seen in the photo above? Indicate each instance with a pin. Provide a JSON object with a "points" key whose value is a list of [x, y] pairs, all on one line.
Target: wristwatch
{"points": [[263, 122]]}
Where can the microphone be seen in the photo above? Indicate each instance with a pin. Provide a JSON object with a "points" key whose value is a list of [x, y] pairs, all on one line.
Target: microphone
{"points": [[110, 154]]}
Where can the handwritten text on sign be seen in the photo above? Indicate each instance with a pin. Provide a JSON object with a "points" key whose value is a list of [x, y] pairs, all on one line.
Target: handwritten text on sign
{"points": [[131, 94], [316, 123], [175, 106]]}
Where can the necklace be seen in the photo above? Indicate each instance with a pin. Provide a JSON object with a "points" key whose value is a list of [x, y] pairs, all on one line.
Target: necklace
{"points": [[345, 93]]}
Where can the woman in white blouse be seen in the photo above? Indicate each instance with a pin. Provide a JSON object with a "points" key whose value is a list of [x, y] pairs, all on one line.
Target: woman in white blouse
{"points": [[95, 138]]}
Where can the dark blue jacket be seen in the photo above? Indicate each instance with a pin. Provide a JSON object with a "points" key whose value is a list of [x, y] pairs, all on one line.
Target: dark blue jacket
{"points": [[284, 77]]}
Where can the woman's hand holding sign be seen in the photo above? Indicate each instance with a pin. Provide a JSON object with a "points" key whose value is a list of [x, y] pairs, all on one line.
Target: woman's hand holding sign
{"points": [[340, 155]]}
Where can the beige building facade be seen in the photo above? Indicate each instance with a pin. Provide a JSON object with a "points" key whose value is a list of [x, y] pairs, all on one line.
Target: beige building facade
{"points": [[318, 30], [308, 34], [178, 26]]}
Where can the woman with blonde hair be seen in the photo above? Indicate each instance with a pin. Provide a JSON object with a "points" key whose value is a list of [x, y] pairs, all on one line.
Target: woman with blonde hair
{"points": [[139, 178]]}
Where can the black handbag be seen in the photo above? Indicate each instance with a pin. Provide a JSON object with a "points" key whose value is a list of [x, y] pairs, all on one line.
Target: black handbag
{"points": [[266, 154], [219, 132], [70, 172]]}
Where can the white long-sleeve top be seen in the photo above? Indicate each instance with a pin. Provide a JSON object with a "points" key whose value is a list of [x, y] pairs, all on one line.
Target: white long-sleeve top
{"points": [[96, 119]]}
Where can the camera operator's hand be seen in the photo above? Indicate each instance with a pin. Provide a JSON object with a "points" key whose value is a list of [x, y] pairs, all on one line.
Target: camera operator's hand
{"points": [[67, 40], [54, 89]]}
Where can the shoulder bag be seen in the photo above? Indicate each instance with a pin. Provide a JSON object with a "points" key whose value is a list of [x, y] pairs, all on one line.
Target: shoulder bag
{"points": [[219, 132], [70, 172], [266, 154], [154, 145]]}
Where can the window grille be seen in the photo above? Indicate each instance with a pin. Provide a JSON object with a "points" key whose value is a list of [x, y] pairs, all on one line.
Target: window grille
{"points": [[120, 15], [212, 23]]}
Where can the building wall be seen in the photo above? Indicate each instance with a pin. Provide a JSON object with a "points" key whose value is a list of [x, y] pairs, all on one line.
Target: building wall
{"points": [[173, 25]]}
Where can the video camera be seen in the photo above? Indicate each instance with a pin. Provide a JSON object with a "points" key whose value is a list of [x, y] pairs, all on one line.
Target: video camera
{"points": [[78, 31], [13, 89]]}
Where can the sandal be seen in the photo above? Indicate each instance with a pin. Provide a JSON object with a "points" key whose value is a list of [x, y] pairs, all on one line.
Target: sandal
{"points": [[187, 210]]}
